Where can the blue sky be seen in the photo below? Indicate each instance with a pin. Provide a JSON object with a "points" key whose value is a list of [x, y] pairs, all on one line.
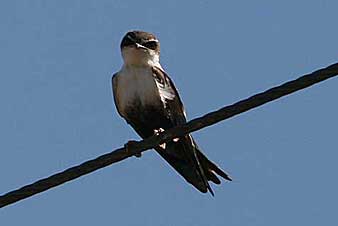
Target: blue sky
{"points": [[57, 58]]}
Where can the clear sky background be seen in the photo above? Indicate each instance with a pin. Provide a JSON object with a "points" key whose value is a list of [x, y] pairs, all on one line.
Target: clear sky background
{"points": [[56, 62]]}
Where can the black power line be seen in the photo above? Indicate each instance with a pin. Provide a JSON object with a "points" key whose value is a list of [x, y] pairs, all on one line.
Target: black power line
{"points": [[193, 125]]}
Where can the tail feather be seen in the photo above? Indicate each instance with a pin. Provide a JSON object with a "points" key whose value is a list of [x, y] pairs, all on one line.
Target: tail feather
{"points": [[201, 169], [197, 169], [212, 168], [212, 177]]}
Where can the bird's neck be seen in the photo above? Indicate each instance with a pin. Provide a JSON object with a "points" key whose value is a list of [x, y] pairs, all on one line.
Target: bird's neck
{"points": [[134, 58]]}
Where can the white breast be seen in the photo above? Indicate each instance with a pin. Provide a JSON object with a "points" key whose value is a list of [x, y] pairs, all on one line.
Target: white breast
{"points": [[136, 84]]}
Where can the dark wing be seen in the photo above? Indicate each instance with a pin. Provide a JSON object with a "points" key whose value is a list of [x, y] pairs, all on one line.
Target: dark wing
{"points": [[182, 155], [173, 104], [115, 95], [175, 110]]}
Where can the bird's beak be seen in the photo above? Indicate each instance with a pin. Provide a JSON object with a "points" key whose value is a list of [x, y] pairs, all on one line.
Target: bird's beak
{"points": [[139, 46]]}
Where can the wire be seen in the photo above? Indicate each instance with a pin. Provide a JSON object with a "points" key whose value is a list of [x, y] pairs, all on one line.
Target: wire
{"points": [[193, 125]]}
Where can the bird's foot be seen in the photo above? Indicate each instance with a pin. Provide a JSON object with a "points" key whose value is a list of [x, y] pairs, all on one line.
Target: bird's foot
{"points": [[157, 132], [130, 145]]}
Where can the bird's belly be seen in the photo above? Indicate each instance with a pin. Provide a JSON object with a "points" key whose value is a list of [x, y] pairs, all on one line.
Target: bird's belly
{"points": [[138, 92]]}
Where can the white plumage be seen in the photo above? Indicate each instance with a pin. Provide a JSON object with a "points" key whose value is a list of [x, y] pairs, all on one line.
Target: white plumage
{"points": [[136, 83]]}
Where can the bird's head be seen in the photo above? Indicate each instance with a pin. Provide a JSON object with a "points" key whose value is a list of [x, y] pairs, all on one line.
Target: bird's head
{"points": [[140, 48]]}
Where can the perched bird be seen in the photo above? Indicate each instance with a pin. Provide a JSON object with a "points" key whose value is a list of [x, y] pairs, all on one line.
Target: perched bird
{"points": [[147, 99]]}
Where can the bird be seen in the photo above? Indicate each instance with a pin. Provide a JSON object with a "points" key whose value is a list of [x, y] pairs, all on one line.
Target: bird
{"points": [[146, 97]]}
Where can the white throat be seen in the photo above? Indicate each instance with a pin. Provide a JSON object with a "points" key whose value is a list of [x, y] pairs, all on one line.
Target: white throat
{"points": [[140, 57]]}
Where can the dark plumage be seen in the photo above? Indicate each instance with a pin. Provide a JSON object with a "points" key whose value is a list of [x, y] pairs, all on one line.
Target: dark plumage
{"points": [[147, 99]]}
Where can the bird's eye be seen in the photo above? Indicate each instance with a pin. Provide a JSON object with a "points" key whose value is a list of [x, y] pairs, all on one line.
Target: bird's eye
{"points": [[128, 40], [151, 45]]}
